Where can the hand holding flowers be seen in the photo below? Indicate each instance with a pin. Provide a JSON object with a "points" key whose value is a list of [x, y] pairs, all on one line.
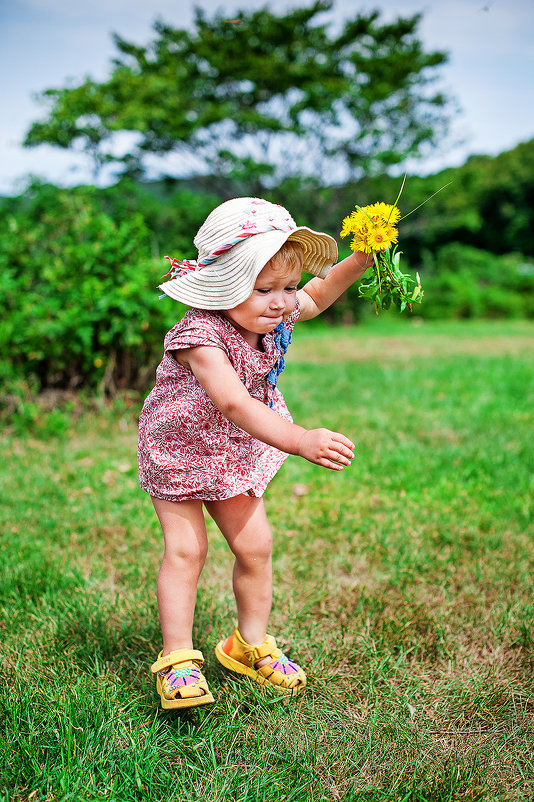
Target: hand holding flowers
{"points": [[374, 230]]}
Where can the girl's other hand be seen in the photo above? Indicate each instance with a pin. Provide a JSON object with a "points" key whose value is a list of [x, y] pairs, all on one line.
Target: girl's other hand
{"points": [[328, 449]]}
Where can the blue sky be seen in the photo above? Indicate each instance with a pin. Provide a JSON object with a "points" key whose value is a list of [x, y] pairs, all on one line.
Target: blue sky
{"points": [[46, 43]]}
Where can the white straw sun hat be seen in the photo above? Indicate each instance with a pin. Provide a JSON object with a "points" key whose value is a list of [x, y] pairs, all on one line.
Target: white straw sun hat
{"points": [[234, 243]]}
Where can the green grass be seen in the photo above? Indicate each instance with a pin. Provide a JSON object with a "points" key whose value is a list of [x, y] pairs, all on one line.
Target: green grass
{"points": [[404, 585]]}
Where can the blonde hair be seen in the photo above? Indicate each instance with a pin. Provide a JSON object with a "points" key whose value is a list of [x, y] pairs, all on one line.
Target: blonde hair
{"points": [[288, 258]]}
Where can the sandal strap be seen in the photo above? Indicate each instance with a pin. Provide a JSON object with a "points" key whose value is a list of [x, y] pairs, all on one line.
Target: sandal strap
{"points": [[267, 649], [178, 656], [254, 653]]}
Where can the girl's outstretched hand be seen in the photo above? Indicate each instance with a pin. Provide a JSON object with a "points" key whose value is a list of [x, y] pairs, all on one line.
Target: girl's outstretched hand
{"points": [[328, 449]]}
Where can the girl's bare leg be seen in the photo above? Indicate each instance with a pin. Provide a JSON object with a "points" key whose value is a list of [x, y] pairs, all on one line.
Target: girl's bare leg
{"points": [[186, 547], [243, 522]]}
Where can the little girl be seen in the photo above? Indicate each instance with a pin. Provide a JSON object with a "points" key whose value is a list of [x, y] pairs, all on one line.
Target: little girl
{"points": [[215, 429]]}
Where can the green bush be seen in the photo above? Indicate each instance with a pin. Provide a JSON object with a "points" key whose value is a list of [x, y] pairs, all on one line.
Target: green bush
{"points": [[79, 270], [79, 293], [464, 282]]}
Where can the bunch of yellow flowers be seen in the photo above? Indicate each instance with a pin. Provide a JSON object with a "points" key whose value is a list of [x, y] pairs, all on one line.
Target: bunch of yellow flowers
{"points": [[374, 230], [374, 227]]}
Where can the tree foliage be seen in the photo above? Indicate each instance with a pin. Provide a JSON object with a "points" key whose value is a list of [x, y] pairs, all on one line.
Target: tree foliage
{"points": [[260, 97]]}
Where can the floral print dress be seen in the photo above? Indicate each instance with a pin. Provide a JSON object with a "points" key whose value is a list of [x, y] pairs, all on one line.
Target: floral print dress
{"points": [[187, 449]]}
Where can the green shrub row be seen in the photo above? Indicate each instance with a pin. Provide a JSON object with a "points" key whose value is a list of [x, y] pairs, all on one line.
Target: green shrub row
{"points": [[465, 282], [79, 270], [459, 281]]}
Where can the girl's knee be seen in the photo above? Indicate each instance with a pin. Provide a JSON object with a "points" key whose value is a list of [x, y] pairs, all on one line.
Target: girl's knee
{"points": [[184, 531], [191, 551], [254, 553]]}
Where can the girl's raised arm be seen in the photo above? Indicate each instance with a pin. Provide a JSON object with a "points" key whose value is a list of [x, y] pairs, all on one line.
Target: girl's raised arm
{"points": [[214, 371], [318, 294]]}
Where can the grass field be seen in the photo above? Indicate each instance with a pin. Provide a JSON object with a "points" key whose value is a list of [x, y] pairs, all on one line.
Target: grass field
{"points": [[404, 585]]}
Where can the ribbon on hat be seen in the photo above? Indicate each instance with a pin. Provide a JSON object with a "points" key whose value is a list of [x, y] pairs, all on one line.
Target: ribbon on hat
{"points": [[180, 267]]}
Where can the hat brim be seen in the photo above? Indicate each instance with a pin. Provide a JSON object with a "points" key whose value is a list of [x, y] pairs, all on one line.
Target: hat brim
{"points": [[230, 280]]}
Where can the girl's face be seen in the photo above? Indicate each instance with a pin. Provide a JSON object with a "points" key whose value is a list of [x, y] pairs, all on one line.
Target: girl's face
{"points": [[273, 299]]}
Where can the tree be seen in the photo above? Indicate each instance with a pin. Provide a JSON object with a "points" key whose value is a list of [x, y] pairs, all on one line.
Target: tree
{"points": [[260, 97]]}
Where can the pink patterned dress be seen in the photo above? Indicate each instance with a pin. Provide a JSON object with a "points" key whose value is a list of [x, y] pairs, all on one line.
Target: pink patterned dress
{"points": [[187, 449]]}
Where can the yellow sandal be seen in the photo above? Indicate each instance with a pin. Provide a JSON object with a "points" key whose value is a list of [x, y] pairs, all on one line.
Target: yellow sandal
{"points": [[179, 681], [280, 672]]}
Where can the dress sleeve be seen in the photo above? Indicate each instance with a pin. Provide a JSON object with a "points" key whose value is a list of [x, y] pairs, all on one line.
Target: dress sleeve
{"points": [[196, 328]]}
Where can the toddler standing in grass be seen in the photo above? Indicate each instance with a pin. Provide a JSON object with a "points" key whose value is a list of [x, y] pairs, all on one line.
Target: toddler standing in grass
{"points": [[215, 429]]}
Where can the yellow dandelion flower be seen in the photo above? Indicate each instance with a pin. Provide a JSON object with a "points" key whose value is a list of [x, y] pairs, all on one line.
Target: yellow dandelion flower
{"points": [[346, 227], [394, 215], [362, 218], [360, 243], [392, 233], [378, 239], [355, 223], [384, 211], [377, 209]]}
